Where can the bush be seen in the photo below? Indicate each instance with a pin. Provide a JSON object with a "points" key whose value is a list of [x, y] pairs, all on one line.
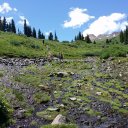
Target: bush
{"points": [[35, 46], [15, 43], [4, 115], [114, 51]]}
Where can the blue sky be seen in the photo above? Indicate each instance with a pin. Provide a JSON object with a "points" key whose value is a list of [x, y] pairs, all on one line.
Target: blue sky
{"points": [[68, 17]]}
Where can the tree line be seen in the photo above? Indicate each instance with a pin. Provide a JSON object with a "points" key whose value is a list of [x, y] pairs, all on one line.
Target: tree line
{"points": [[27, 30], [124, 36], [82, 38], [7, 27]]}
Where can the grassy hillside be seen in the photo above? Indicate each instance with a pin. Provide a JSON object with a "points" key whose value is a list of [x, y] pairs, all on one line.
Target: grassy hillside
{"points": [[13, 45]]}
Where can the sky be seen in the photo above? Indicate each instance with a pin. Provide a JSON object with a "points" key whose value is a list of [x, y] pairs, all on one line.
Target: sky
{"points": [[68, 17]]}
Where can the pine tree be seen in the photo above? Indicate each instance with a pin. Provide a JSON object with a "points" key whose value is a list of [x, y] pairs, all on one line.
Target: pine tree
{"points": [[13, 26], [34, 33], [39, 34], [121, 37], [79, 36], [56, 38], [0, 24], [42, 36], [29, 31], [126, 35], [4, 26], [107, 41], [50, 37], [87, 39], [25, 28], [82, 37], [94, 42], [75, 38]]}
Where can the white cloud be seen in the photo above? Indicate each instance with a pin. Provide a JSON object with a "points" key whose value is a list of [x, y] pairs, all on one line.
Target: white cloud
{"points": [[78, 17], [21, 21], [47, 33], [5, 8], [15, 9], [9, 19], [107, 24]]}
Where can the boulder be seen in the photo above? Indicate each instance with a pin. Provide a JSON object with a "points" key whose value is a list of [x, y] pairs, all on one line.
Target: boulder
{"points": [[59, 119]]}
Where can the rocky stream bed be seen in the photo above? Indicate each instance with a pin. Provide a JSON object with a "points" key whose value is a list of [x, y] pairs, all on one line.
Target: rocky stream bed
{"points": [[90, 92]]}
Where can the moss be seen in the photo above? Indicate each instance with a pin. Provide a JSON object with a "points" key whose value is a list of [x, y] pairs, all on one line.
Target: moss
{"points": [[60, 126], [50, 115], [41, 97], [92, 112]]}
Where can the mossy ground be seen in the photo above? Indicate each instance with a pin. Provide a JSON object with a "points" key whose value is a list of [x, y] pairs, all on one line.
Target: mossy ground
{"points": [[98, 92]]}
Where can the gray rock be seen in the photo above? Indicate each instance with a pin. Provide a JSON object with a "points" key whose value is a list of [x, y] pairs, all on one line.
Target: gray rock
{"points": [[59, 119], [20, 114], [53, 109], [73, 98]]}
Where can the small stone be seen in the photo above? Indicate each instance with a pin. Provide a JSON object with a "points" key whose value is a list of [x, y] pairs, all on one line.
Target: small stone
{"points": [[55, 92], [79, 100], [120, 75], [53, 109], [73, 98], [98, 93], [59, 119], [62, 105], [20, 114]]}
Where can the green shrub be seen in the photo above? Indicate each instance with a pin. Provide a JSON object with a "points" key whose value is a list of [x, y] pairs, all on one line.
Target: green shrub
{"points": [[34, 46], [15, 43], [4, 115]]}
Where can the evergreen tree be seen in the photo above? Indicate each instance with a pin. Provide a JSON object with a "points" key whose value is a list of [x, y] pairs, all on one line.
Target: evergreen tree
{"points": [[39, 34], [87, 39], [79, 36], [25, 28], [94, 42], [121, 37], [0, 24], [13, 26], [75, 38], [29, 31], [42, 36], [4, 25], [34, 33], [56, 38], [126, 35], [82, 37], [50, 37], [107, 41]]}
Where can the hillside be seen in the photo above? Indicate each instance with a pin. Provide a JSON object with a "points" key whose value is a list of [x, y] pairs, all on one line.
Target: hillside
{"points": [[89, 87], [13, 45]]}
